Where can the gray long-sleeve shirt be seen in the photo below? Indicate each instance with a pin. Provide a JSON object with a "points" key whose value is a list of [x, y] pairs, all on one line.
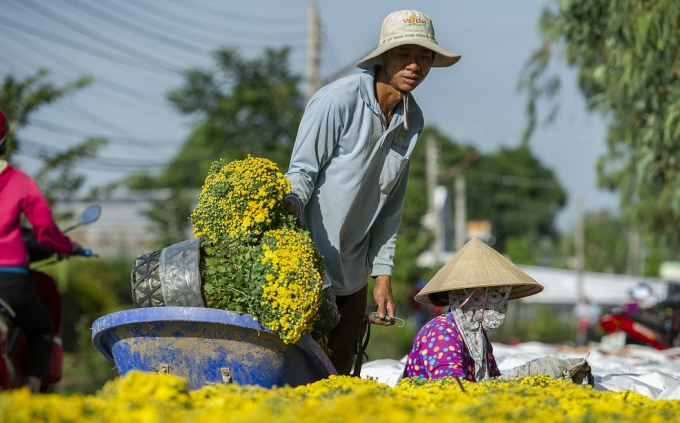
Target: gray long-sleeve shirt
{"points": [[349, 172]]}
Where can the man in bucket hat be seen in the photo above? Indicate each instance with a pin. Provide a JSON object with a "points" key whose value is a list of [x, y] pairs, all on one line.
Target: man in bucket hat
{"points": [[476, 285], [349, 169]]}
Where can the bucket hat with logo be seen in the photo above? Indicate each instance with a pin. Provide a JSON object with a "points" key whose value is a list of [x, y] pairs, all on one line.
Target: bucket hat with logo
{"points": [[408, 27]]}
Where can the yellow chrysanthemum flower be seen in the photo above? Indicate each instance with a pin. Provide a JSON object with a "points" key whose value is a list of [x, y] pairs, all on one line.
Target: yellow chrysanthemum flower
{"points": [[148, 397]]}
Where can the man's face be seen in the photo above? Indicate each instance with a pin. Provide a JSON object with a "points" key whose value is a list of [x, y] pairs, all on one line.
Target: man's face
{"points": [[407, 66]]}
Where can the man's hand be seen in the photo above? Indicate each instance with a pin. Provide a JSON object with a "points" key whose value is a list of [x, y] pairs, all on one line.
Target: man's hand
{"points": [[384, 302], [291, 205]]}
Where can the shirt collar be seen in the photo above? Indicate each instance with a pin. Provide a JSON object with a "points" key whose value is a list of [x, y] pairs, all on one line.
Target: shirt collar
{"points": [[367, 92]]}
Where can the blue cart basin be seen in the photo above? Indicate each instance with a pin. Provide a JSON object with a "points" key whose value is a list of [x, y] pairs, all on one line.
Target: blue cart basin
{"points": [[207, 346]]}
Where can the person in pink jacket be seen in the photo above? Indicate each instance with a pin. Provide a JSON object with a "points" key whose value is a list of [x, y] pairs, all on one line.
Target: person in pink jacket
{"points": [[19, 194]]}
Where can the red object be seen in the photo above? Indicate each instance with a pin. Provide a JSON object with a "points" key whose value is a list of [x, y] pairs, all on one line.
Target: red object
{"points": [[4, 127], [6, 366], [47, 289], [11, 371], [612, 323]]}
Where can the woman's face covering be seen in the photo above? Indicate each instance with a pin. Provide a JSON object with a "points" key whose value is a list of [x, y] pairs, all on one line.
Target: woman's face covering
{"points": [[485, 306]]}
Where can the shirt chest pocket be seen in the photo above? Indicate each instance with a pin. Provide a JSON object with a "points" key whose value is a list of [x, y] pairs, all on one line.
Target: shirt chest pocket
{"points": [[392, 169]]}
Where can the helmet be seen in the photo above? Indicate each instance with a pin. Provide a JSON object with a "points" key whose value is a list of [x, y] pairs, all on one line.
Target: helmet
{"points": [[4, 131], [641, 292]]}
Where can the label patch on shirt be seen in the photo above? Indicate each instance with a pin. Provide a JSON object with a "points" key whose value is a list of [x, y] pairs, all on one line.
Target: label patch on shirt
{"points": [[399, 142]]}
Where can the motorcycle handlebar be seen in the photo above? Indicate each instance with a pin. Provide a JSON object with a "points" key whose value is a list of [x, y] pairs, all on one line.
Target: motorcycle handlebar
{"points": [[84, 253]]}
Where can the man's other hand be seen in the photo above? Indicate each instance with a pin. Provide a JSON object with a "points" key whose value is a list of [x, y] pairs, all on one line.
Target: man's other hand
{"points": [[292, 206], [384, 302]]}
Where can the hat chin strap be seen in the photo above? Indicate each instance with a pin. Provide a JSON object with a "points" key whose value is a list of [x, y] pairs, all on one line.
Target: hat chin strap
{"points": [[404, 94]]}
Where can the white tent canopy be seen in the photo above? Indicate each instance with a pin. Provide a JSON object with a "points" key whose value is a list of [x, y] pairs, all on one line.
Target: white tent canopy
{"points": [[561, 286]]}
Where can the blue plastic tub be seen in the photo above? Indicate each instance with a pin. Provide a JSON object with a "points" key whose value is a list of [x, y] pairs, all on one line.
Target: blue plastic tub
{"points": [[207, 346]]}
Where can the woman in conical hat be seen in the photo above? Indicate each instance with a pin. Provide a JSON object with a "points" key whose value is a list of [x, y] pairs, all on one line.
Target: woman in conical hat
{"points": [[476, 284]]}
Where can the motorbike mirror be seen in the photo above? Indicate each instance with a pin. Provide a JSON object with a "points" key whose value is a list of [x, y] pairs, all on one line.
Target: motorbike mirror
{"points": [[91, 214]]}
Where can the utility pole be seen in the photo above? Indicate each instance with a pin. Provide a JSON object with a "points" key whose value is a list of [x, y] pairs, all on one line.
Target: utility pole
{"points": [[461, 216], [432, 174], [456, 172], [633, 264], [579, 249], [314, 37], [431, 170]]}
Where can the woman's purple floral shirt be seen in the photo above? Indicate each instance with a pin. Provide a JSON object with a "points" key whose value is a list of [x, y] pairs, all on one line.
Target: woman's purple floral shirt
{"points": [[439, 351]]}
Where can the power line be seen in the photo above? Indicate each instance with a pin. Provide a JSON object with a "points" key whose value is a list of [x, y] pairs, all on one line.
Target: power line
{"points": [[99, 79], [94, 119], [108, 161], [345, 70], [90, 41], [160, 37], [90, 167], [120, 162], [82, 47], [231, 32], [75, 26], [239, 17], [30, 63], [330, 49], [70, 131]]}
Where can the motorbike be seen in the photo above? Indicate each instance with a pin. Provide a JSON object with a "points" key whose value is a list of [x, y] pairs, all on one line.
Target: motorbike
{"points": [[13, 341], [657, 326]]}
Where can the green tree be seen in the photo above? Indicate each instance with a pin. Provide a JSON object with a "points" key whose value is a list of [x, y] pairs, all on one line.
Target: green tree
{"points": [[628, 56], [510, 188], [513, 190], [608, 247], [242, 107], [20, 98]]}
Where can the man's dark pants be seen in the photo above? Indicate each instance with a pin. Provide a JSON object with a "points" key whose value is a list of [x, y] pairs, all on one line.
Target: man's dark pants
{"points": [[343, 338]]}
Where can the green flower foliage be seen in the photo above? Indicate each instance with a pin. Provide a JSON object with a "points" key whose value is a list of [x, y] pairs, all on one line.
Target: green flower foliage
{"points": [[256, 258]]}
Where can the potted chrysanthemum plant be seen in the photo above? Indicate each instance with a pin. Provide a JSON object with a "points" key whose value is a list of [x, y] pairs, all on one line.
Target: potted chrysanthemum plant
{"points": [[255, 258]]}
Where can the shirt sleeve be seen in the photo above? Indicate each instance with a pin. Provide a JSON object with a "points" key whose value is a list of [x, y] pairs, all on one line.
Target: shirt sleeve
{"points": [[383, 243], [38, 213], [316, 140]]}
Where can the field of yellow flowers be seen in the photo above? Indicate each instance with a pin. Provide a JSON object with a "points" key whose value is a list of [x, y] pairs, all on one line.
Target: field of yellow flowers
{"points": [[145, 397]]}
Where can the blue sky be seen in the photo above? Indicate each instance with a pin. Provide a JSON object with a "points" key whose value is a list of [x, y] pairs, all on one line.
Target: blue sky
{"points": [[137, 49]]}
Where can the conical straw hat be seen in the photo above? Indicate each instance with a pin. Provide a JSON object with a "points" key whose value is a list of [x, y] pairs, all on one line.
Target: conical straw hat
{"points": [[478, 265]]}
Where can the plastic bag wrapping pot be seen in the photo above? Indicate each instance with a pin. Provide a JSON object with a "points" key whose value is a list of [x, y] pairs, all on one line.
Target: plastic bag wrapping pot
{"points": [[207, 346], [179, 274], [168, 277]]}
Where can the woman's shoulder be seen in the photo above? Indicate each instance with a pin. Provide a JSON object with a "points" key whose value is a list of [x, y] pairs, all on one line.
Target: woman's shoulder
{"points": [[441, 323]]}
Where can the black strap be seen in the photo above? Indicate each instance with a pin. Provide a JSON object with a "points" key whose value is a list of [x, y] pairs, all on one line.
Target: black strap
{"points": [[361, 345]]}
